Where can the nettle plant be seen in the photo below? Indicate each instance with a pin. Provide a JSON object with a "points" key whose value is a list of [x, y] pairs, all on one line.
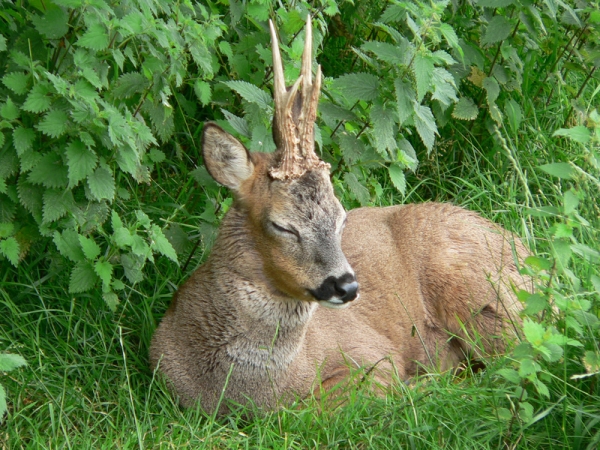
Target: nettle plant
{"points": [[87, 92]]}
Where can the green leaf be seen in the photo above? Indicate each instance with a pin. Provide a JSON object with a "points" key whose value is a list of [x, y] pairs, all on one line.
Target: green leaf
{"points": [[497, 30], [492, 89], [102, 184], [6, 229], [16, 82], [95, 38], [23, 139], [383, 121], [360, 192], [384, 51], [514, 114], [161, 244], [510, 375], [405, 97], [83, 278], [203, 92], [535, 304], [358, 86], [534, 332], [398, 179], [449, 35], [2, 49], [91, 250], [54, 123], [156, 155], [251, 93], [130, 84], [10, 248], [528, 367], [9, 110], [423, 69], [560, 170], [425, 125], [38, 100], [352, 148], [465, 109], [49, 172], [56, 204], [81, 162], [68, 245], [579, 134], [54, 24], [10, 362], [111, 299], [132, 266], [104, 270]]}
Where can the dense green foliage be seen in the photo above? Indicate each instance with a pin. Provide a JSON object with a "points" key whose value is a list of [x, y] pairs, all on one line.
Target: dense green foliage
{"points": [[105, 206]]}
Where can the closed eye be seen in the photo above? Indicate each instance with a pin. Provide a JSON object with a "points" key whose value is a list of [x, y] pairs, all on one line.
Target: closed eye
{"points": [[291, 231]]}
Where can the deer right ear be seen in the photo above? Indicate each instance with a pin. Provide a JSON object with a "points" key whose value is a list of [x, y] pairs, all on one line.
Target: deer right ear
{"points": [[225, 158]]}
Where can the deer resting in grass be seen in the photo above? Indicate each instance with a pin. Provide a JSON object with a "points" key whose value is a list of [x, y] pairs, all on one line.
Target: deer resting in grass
{"points": [[296, 290]]}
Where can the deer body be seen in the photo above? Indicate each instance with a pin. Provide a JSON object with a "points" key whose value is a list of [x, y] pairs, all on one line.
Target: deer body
{"points": [[250, 323]]}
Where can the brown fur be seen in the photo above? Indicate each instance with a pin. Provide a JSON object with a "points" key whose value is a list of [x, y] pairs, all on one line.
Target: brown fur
{"points": [[432, 277]]}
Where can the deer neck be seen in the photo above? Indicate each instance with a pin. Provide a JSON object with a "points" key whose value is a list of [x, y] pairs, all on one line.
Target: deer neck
{"points": [[267, 326]]}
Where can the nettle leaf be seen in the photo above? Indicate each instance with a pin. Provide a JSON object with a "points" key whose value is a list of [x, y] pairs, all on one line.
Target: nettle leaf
{"points": [[2, 43], [56, 204], [49, 172], [560, 170], [579, 134], [352, 148], [384, 51], [132, 266], [498, 29], [130, 84], [16, 82], [423, 70], [494, 3], [10, 249], [360, 192], [83, 278], [68, 245], [30, 197], [111, 299], [492, 89], [38, 100], [161, 244], [54, 123], [23, 139], [203, 92], [250, 93], [81, 162], [465, 109], [449, 35], [239, 124], [91, 250], [102, 184], [104, 270], [405, 97], [54, 24], [398, 179], [10, 362], [425, 125], [9, 110], [358, 86], [6, 229], [444, 88], [95, 38], [383, 128]]}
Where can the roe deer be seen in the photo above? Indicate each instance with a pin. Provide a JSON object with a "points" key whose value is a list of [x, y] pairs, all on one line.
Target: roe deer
{"points": [[249, 324]]}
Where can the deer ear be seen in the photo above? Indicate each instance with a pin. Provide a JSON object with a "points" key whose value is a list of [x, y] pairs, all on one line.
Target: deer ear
{"points": [[225, 158]]}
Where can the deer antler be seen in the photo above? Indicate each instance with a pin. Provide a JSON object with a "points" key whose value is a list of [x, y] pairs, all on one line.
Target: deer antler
{"points": [[295, 113]]}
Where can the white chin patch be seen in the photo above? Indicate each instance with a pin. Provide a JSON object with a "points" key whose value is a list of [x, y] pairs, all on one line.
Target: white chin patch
{"points": [[334, 303]]}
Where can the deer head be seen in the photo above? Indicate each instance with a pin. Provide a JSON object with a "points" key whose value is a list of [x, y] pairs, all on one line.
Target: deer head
{"points": [[286, 198]]}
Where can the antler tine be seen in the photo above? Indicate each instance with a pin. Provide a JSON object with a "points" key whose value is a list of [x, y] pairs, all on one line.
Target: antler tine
{"points": [[278, 79], [306, 70]]}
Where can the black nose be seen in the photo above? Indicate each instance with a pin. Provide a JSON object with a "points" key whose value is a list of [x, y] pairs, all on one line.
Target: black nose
{"points": [[344, 287], [347, 291]]}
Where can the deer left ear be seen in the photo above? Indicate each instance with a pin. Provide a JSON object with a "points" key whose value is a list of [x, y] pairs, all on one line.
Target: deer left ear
{"points": [[225, 158]]}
